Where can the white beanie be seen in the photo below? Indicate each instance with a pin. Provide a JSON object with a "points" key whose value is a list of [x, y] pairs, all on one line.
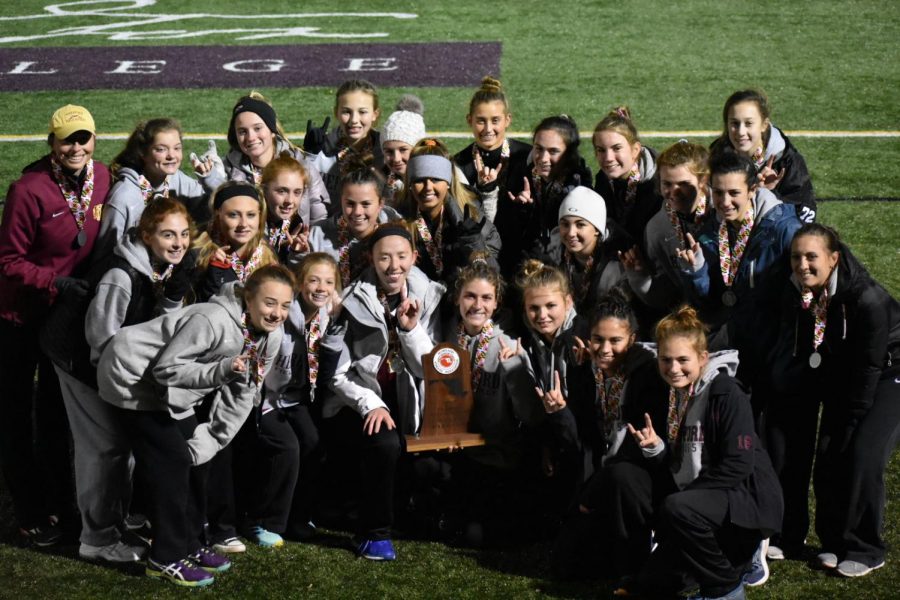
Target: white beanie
{"points": [[406, 123], [585, 203]]}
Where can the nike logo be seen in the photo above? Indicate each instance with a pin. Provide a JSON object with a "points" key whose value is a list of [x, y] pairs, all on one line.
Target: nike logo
{"points": [[56, 214]]}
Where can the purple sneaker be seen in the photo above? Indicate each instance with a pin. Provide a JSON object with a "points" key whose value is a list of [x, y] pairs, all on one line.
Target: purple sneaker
{"points": [[209, 561], [181, 572]]}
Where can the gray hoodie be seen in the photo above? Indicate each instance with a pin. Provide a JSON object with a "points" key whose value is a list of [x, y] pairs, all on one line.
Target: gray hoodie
{"points": [[324, 237], [691, 462], [175, 361], [355, 383], [659, 284], [125, 205], [315, 200], [109, 306]]}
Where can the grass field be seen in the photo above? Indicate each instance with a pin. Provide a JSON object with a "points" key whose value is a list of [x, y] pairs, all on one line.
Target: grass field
{"points": [[826, 66]]}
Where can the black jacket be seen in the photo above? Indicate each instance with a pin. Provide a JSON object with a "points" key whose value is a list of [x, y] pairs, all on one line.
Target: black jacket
{"points": [[526, 228], [861, 343], [733, 459], [632, 216], [796, 186], [519, 153]]}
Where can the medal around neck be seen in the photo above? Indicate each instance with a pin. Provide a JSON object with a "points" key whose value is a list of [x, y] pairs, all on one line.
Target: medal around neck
{"points": [[729, 298], [815, 360], [81, 238]]}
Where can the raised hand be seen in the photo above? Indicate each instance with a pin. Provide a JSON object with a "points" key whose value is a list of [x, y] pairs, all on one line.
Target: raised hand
{"points": [[298, 240], [768, 178], [408, 313], [688, 255], [506, 352], [375, 419], [240, 364], [553, 399], [314, 140], [582, 352], [334, 305], [209, 161], [646, 437], [486, 175], [523, 197], [222, 254], [632, 259]]}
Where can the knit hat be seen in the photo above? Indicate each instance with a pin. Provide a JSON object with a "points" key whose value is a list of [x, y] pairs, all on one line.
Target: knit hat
{"points": [[406, 123], [69, 119], [585, 203]]}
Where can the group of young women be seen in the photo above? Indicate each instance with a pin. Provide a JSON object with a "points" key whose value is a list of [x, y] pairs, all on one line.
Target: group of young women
{"points": [[648, 390]]}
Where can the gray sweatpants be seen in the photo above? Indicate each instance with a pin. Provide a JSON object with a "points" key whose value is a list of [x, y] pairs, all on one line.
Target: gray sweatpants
{"points": [[102, 461]]}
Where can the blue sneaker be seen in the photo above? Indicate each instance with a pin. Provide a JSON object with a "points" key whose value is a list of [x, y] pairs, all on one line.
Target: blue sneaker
{"points": [[265, 538], [759, 568], [376, 550]]}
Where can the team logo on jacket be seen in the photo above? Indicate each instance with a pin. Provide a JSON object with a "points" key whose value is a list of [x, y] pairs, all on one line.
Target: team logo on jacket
{"points": [[446, 361]]}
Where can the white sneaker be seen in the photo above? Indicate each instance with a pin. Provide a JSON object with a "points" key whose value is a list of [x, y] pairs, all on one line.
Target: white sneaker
{"points": [[827, 560], [774, 553], [230, 545], [120, 552]]}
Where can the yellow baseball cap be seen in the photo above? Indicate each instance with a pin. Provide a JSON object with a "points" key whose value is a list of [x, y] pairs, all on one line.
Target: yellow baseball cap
{"points": [[69, 119]]}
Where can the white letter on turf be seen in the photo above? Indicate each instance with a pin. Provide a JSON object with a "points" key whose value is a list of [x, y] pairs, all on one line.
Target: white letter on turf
{"points": [[23, 66], [265, 65], [142, 67], [371, 64]]}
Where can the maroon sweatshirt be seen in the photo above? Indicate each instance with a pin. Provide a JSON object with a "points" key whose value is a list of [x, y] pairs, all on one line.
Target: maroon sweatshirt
{"points": [[37, 240]]}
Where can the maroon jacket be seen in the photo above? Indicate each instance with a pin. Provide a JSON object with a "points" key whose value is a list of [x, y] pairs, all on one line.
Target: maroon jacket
{"points": [[37, 240]]}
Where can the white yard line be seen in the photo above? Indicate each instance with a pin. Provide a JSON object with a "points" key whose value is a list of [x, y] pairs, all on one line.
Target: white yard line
{"points": [[455, 135]]}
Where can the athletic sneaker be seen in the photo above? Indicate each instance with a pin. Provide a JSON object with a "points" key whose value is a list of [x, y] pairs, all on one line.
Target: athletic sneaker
{"points": [[230, 546], [119, 552], [775, 553], [376, 550], [181, 572], [43, 536], [759, 569], [851, 568], [264, 537], [209, 561], [735, 594], [136, 521], [826, 560]]}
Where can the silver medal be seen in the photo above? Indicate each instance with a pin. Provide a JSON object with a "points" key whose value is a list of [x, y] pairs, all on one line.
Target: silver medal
{"points": [[815, 359], [395, 363], [729, 298], [81, 238]]}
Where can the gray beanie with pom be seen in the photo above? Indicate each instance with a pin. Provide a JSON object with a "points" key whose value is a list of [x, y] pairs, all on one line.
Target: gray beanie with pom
{"points": [[406, 123]]}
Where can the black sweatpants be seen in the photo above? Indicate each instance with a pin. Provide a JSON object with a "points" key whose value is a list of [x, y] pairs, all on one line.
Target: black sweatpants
{"points": [[176, 489], [791, 425], [34, 430], [280, 460], [849, 476], [697, 545], [376, 456]]}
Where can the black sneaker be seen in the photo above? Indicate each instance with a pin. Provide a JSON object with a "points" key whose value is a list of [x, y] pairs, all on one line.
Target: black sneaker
{"points": [[43, 536]]}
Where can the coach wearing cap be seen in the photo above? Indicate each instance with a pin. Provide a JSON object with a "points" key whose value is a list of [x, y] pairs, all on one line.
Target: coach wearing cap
{"points": [[49, 225]]}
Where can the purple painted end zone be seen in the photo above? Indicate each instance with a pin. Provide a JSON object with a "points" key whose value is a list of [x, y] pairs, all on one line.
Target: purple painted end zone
{"points": [[139, 67]]}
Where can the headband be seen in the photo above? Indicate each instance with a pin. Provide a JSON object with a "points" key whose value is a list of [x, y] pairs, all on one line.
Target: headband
{"points": [[227, 193], [429, 166], [265, 112], [386, 230]]}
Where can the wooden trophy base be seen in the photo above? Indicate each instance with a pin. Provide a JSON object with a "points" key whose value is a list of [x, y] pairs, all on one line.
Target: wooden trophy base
{"points": [[443, 442]]}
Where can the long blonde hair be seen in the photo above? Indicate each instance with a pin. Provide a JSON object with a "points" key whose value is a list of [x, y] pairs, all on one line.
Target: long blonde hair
{"points": [[458, 191], [211, 239]]}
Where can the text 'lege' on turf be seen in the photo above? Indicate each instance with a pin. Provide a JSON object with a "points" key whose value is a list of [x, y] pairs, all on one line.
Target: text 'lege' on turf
{"points": [[158, 67]]}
